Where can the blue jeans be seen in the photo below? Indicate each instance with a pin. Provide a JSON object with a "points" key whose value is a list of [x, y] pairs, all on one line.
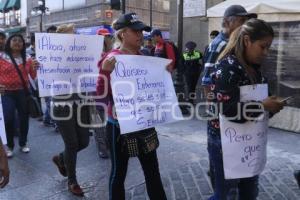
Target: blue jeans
{"points": [[247, 188], [12, 101]]}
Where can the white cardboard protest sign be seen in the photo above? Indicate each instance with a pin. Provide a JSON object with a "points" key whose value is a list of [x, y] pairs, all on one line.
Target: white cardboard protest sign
{"points": [[68, 63], [143, 93], [244, 146], [2, 126]]}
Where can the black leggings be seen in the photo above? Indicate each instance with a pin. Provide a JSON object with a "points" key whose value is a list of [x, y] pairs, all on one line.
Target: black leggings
{"points": [[119, 161], [75, 137]]}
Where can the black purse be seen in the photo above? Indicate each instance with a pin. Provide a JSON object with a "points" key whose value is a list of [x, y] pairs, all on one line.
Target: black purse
{"points": [[33, 105], [140, 142]]}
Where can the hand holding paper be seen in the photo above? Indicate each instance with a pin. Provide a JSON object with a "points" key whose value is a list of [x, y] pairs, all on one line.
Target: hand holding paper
{"points": [[272, 104], [109, 64], [170, 68], [35, 64]]}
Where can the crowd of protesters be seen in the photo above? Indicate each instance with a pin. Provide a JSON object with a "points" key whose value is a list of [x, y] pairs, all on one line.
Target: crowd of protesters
{"points": [[231, 60]]}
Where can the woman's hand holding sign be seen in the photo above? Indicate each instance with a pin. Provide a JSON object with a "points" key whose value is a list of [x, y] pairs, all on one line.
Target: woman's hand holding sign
{"points": [[35, 64], [109, 64]]}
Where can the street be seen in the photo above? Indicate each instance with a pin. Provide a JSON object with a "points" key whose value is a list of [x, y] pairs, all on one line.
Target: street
{"points": [[183, 163]]}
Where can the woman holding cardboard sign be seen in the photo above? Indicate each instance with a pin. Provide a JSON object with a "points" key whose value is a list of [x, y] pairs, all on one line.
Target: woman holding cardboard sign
{"points": [[14, 80], [74, 135], [129, 34], [237, 69]]}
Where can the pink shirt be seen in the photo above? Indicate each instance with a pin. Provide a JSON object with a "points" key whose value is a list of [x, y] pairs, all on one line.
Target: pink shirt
{"points": [[104, 83]]}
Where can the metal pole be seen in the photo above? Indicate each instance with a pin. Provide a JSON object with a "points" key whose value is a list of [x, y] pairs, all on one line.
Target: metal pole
{"points": [[179, 82], [41, 23], [150, 13], [123, 6], [180, 25]]}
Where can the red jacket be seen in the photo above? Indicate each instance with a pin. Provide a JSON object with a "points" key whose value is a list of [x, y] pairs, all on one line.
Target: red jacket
{"points": [[9, 76], [169, 51]]}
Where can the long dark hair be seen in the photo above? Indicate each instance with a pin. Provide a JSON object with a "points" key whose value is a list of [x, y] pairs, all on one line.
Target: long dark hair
{"points": [[256, 29], [8, 50]]}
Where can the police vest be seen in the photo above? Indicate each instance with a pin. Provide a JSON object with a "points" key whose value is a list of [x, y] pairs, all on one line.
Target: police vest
{"points": [[196, 55]]}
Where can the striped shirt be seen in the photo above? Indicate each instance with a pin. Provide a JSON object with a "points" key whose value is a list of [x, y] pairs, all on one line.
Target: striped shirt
{"points": [[211, 56]]}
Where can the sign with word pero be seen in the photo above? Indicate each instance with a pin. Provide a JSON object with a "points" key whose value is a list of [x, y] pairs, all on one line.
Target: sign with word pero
{"points": [[68, 63], [244, 145], [143, 93]]}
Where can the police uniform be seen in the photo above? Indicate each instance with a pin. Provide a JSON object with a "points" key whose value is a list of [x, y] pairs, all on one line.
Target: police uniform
{"points": [[193, 68]]}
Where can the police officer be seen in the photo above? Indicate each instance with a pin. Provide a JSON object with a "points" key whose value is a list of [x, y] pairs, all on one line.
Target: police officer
{"points": [[193, 67]]}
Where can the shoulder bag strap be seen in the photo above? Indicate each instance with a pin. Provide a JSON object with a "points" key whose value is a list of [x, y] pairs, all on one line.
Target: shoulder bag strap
{"points": [[20, 75]]}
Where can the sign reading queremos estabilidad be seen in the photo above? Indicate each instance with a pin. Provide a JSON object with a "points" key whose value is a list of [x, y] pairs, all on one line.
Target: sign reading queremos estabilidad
{"points": [[194, 8]]}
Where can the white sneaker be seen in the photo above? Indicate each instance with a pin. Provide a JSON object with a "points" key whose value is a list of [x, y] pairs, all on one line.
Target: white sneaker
{"points": [[9, 152], [25, 149]]}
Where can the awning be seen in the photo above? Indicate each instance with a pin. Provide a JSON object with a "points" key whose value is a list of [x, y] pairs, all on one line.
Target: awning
{"points": [[13, 4], [257, 6], [15, 30], [3, 4]]}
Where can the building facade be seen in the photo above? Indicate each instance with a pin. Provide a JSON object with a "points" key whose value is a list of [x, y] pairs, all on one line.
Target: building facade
{"points": [[93, 13], [194, 28], [13, 15]]}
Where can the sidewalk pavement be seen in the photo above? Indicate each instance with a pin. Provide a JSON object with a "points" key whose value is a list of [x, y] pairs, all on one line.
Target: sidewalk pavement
{"points": [[183, 163]]}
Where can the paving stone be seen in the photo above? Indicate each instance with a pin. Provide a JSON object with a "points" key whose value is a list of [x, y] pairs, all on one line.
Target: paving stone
{"points": [[264, 181], [139, 197], [180, 192], [264, 196], [169, 193], [12, 194], [193, 194], [204, 187], [297, 192], [42, 189], [175, 176], [289, 182], [188, 181], [289, 194], [197, 171], [271, 177], [271, 190], [184, 170], [261, 189], [139, 190], [278, 196], [204, 164]]}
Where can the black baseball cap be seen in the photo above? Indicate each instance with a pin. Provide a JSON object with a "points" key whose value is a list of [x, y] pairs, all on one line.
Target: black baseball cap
{"points": [[190, 45], [156, 32], [238, 10], [131, 20]]}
